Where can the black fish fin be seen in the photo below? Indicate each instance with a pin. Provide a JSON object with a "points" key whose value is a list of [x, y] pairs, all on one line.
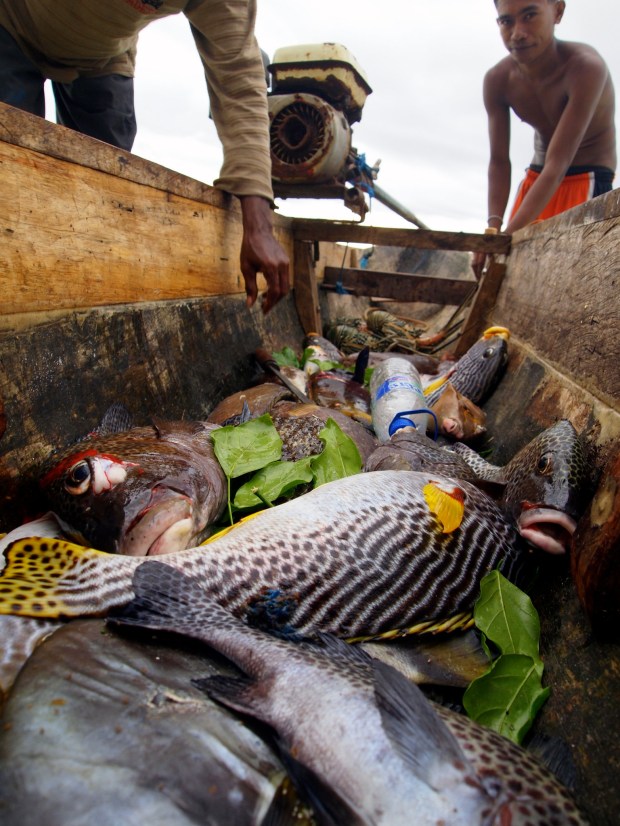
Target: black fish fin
{"points": [[412, 725], [116, 419], [163, 599], [557, 756], [330, 808], [236, 693], [336, 647], [286, 808], [361, 363], [246, 413]]}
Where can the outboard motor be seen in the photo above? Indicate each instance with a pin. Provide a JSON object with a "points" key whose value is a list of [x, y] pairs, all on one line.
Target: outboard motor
{"points": [[317, 92]]}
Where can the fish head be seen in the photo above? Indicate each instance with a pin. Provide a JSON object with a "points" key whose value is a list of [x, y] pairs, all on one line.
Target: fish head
{"points": [[143, 492], [546, 485], [478, 372], [458, 417]]}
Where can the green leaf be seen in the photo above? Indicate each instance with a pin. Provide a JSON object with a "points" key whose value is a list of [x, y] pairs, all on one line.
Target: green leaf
{"points": [[247, 446], [506, 615], [508, 697], [286, 358], [273, 482], [309, 354], [339, 458]]}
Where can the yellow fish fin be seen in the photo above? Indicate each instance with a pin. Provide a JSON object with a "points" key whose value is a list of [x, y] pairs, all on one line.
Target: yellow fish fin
{"points": [[434, 385], [458, 622], [502, 332], [447, 503], [229, 528], [52, 578]]}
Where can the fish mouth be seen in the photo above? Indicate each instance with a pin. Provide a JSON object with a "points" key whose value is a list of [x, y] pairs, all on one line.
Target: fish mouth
{"points": [[549, 529], [160, 528]]}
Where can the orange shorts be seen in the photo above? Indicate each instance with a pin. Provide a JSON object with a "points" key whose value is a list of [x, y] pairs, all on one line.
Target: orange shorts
{"points": [[579, 185]]}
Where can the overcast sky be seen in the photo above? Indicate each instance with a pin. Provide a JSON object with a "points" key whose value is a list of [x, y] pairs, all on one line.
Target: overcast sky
{"points": [[425, 119]]}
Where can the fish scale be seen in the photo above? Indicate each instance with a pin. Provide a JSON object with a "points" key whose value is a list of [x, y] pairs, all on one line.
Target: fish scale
{"points": [[358, 556]]}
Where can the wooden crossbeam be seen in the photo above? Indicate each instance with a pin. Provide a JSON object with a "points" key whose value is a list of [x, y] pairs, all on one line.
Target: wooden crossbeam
{"points": [[399, 286], [355, 232]]}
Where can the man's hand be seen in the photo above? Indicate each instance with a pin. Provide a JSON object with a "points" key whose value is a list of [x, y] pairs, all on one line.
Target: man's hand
{"points": [[478, 264], [260, 252]]}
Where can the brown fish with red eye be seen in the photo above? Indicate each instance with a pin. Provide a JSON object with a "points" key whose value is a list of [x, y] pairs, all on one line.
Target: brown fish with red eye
{"points": [[142, 491]]}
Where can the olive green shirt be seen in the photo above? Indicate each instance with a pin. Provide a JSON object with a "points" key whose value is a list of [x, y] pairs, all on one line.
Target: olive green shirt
{"points": [[69, 38]]}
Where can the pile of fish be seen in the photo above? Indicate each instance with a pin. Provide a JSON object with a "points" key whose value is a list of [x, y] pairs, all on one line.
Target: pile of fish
{"points": [[373, 555]]}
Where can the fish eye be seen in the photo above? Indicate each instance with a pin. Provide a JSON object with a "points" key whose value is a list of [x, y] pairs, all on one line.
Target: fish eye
{"points": [[78, 478], [545, 464]]}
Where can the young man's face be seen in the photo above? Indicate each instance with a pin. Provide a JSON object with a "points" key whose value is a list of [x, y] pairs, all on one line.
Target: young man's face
{"points": [[527, 26]]}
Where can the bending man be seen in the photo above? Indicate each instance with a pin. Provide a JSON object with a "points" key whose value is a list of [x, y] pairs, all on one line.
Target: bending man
{"points": [[88, 48]]}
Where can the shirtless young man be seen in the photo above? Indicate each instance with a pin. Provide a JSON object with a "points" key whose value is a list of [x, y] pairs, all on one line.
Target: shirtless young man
{"points": [[564, 91]]}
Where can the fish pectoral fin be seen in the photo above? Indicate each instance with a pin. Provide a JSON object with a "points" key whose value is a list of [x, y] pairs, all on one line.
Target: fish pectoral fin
{"points": [[446, 503], [286, 808], [411, 723], [164, 598], [330, 808], [236, 693], [41, 575]]}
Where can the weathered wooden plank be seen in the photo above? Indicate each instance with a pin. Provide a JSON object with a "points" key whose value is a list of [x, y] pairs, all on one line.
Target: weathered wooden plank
{"points": [[561, 290], [398, 285], [581, 668], [30, 132], [172, 360], [482, 306], [306, 288], [78, 237], [316, 230]]}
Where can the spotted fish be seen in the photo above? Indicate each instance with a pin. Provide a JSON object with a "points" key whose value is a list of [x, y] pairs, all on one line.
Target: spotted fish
{"points": [[544, 485], [328, 702], [542, 488], [355, 557]]}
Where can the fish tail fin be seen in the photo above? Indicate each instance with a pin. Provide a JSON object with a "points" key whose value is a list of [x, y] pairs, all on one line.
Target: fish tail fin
{"points": [[51, 578]]}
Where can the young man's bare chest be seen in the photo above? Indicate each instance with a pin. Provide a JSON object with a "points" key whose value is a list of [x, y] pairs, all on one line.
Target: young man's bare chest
{"points": [[540, 104]]}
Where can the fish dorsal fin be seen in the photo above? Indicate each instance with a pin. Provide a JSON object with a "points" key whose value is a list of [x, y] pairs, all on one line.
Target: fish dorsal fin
{"points": [[52, 578], [116, 419], [413, 726], [361, 364], [484, 470]]}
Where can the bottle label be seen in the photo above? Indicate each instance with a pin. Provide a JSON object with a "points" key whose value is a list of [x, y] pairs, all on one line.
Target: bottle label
{"points": [[397, 383]]}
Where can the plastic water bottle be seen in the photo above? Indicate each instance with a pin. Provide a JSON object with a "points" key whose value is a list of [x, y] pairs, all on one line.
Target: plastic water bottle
{"points": [[397, 399]]}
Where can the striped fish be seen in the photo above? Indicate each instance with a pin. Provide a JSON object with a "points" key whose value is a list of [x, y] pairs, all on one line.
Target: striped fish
{"points": [[477, 372], [360, 556]]}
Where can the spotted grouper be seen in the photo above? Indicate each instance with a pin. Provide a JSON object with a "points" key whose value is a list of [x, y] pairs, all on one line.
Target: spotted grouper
{"points": [[543, 485], [542, 488], [360, 741], [358, 556]]}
